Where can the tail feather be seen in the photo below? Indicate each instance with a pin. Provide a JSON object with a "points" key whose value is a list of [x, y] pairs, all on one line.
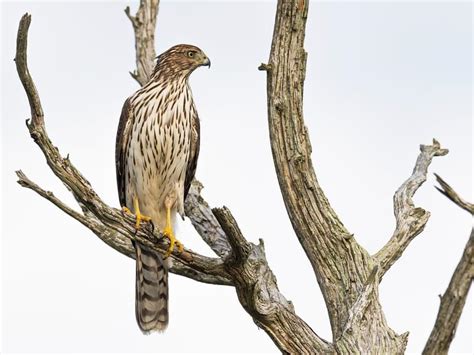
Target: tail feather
{"points": [[151, 292]]}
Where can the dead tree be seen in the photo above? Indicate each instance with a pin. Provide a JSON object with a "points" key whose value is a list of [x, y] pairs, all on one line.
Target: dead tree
{"points": [[347, 274]]}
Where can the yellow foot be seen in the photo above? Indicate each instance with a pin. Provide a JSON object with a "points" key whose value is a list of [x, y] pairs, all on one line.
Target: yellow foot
{"points": [[139, 217], [168, 233]]}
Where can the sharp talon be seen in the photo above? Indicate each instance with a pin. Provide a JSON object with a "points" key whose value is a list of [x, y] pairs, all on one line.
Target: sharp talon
{"points": [[168, 233], [140, 218], [126, 210], [180, 247]]}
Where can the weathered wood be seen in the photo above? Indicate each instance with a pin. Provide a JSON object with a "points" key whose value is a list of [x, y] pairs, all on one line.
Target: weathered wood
{"points": [[448, 191], [254, 281], [109, 224], [258, 293], [144, 27], [454, 299], [411, 220], [347, 275]]}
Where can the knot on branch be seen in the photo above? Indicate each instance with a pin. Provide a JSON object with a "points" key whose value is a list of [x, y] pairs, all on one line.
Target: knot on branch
{"points": [[132, 18], [265, 67]]}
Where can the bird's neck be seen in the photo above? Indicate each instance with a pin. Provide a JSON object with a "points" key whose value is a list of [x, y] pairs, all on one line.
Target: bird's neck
{"points": [[169, 73]]}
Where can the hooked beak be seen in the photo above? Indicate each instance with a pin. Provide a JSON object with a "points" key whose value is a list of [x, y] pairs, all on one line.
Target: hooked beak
{"points": [[206, 63]]}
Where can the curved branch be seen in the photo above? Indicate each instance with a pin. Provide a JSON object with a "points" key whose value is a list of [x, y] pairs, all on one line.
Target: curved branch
{"points": [[411, 220], [341, 265], [108, 223], [193, 265], [453, 300], [23, 72]]}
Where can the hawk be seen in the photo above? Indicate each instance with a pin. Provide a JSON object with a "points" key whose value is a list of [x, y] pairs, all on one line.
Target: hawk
{"points": [[156, 153]]}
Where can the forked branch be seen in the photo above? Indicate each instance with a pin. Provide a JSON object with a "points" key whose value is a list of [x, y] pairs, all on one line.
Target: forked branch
{"points": [[109, 224], [252, 277]]}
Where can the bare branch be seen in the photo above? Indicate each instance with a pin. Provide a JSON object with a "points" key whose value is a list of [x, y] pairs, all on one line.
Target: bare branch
{"points": [[410, 220], [254, 281], [347, 274], [204, 221], [340, 264], [23, 72], [188, 264], [448, 191], [452, 303], [258, 293], [144, 25], [453, 300], [240, 247], [109, 224]]}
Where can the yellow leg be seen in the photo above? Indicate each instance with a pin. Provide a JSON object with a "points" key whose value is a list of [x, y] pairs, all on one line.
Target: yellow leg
{"points": [[168, 233], [139, 217]]}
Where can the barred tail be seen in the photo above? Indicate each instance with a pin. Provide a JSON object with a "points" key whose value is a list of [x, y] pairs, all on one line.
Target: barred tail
{"points": [[151, 292]]}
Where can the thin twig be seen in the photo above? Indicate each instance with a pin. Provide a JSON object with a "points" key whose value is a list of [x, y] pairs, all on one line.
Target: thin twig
{"points": [[448, 191]]}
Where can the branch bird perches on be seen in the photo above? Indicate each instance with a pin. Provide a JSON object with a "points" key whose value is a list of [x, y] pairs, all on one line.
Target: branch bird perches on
{"points": [[251, 276]]}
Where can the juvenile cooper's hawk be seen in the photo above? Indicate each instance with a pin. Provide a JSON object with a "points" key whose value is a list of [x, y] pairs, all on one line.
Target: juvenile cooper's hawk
{"points": [[156, 153]]}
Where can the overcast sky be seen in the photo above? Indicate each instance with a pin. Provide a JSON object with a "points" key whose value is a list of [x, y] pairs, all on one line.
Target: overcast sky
{"points": [[382, 78]]}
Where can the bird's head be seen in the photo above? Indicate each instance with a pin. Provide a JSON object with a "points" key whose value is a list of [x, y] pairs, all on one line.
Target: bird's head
{"points": [[181, 60]]}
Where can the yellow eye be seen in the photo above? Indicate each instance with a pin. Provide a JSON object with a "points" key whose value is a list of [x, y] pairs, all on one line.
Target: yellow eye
{"points": [[191, 54]]}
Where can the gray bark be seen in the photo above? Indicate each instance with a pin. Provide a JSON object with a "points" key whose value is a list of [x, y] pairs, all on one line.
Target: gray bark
{"points": [[454, 299]]}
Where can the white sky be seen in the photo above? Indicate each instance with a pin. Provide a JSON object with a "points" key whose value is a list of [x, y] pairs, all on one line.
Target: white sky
{"points": [[382, 78]]}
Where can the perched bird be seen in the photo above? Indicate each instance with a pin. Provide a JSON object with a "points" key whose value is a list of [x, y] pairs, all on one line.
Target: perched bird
{"points": [[156, 153]]}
